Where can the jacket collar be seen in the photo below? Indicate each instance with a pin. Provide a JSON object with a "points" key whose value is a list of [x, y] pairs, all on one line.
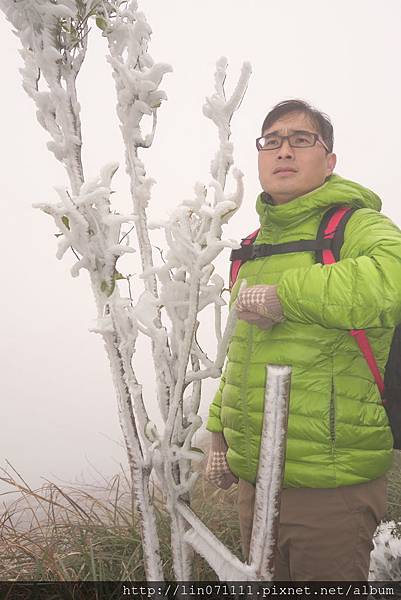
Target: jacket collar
{"points": [[335, 191]]}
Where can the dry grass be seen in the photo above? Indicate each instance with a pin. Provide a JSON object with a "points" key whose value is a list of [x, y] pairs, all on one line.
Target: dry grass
{"points": [[67, 534], [91, 534]]}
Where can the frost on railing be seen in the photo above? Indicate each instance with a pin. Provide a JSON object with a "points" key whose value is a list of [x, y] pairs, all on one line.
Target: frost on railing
{"points": [[385, 559], [268, 494], [54, 38]]}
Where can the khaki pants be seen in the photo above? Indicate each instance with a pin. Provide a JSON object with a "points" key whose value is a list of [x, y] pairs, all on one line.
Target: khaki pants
{"points": [[324, 534]]}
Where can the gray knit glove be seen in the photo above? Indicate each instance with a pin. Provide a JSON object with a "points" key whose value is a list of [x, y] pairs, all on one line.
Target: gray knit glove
{"points": [[260, 305], [217, 469]]}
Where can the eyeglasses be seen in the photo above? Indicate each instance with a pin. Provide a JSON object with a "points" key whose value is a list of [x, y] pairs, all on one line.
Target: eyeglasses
{"points": [[298, 139]]}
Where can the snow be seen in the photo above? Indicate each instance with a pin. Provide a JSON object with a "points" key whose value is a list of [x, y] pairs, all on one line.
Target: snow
{"points": [[385, 559]]}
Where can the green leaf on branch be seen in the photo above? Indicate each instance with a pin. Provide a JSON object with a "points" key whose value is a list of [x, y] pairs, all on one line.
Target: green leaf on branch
{"points": [[66, 222], [101, 23], [109, 289]]}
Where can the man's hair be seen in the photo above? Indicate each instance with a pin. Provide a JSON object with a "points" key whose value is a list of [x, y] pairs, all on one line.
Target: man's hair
{"points": [[320, 120]]}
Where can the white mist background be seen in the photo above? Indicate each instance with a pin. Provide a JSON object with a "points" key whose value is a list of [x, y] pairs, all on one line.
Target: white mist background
{"points": [[58, 411]]}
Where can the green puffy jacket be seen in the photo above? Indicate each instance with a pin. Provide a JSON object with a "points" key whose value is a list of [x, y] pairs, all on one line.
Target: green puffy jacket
{"points": [[338, 432]]}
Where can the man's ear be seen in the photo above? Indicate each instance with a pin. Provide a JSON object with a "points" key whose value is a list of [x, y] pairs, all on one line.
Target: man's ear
{"points": [[331, 163]]}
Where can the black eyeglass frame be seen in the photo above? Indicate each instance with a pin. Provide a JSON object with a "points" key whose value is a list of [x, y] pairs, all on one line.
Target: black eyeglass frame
{"points": [[316, 137]]}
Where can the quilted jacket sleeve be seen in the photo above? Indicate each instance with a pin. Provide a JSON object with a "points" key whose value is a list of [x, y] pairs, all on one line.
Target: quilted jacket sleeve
{"points": [[362, 290], [214, 423]]}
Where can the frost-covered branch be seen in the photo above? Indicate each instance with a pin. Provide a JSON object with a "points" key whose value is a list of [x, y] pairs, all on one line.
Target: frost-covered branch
{"points": [[175, 293], [54, 40], [220, 111], [188, 285], [184, 285], [137, 79], [88, 224]]}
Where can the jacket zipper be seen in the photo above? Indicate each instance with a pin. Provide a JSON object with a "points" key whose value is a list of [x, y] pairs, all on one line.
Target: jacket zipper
{"points": [[332, 415]]}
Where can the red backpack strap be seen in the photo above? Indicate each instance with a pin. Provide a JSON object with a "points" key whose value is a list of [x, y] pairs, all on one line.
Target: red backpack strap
{"points": [[332, 227], [335, 222], [366, 349], [236, 264]]}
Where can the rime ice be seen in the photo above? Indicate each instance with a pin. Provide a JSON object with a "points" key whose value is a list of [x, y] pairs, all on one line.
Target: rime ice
{"points": [[171, 296]]}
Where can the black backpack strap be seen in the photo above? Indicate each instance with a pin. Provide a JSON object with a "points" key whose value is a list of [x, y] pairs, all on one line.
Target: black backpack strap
{"points": [[253, 251], [392, 387]]}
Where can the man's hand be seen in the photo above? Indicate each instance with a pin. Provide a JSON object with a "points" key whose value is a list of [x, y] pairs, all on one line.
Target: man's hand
{"points": [[259, 305], [217, 469]]}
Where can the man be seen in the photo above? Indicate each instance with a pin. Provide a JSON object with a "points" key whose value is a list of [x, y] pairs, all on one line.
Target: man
{"points": [[297, 312]]}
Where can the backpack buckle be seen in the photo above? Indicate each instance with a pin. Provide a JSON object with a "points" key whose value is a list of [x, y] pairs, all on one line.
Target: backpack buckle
{"points": [[260, 250]]}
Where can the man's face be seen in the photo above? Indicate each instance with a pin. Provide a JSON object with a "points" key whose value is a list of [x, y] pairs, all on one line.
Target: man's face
{"points": [[287, 173]]}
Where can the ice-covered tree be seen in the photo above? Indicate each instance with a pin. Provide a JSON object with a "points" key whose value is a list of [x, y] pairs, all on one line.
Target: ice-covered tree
{"points": [[54, 36]]}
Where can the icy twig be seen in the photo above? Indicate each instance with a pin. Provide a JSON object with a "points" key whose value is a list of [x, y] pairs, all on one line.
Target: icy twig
{"points": [[137, 79], [193, 235], [54, 39]]}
